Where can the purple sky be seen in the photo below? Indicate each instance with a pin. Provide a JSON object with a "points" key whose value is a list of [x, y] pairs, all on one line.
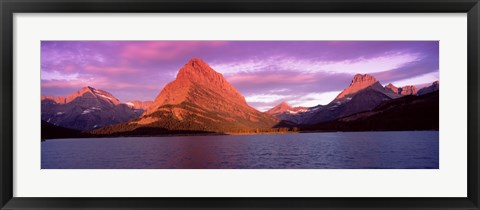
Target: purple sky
{"points": [[303, 73]]}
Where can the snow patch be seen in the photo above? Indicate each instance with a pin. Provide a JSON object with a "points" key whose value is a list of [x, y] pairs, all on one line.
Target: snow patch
{"points": [[297, 111], [313, 109], [87, 111], [104, 96]]}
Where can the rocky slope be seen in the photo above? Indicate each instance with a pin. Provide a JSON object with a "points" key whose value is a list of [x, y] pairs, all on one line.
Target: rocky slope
{"points": [[363, 94], [429, 89], [141, 105], [405, 90], [359, 82], [364, 100], [284, 111], [199, 99], [406, 113], [88, 108]]}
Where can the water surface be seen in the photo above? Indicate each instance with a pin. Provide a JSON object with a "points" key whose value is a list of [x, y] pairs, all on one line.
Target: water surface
{"points": [[340, 150]]}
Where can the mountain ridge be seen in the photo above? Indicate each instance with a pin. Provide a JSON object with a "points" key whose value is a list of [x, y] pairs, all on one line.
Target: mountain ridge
{"points": [[198, 99], [405, 90], [85, 109]]}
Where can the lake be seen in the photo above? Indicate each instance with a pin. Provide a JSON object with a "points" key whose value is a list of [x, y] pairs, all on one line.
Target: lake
{"points": [[338, 150]]}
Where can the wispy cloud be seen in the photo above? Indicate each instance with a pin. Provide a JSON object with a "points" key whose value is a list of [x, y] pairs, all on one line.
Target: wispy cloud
{"points": [[109, 70], [313, 99], [418, 80], [162, 50], [56, 75], [281, 63], [265, 98]]}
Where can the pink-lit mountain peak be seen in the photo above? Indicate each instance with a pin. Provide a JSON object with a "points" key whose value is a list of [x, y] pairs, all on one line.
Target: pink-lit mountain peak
{"points": [[359, 82], [405, 90], [392, 87], [194, 77], [83, 90], [408, 90], [282, 107], [197, 70], [201, 98], [88, 91], [284, 104], [363, 79]]}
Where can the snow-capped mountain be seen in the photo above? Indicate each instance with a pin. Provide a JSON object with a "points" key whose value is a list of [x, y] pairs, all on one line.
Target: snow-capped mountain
{"points": [[88, 108], [364, 93], [284, 111], [284, 107], [411, 112], [202, 100]]}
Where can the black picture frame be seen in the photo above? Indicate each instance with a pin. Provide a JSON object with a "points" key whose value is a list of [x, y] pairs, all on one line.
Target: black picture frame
{"points": [[10, 7]]}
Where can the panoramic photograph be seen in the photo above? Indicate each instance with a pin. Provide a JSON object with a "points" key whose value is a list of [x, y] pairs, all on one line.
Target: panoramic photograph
{"points": [[239, 104]]}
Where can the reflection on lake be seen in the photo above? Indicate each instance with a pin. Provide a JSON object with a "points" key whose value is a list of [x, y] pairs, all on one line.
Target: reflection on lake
{"points": [[340, 150]]}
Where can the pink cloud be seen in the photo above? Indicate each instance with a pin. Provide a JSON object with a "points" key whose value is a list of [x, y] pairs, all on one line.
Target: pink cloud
{"points": [[70, 68], [98, 82], [63, 84], [163, 51], [271, 78], [109, 70]]}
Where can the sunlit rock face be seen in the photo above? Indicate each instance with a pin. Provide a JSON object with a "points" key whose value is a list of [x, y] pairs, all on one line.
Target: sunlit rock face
{"points": [[199, 99], [405, 90], [359, 82]]}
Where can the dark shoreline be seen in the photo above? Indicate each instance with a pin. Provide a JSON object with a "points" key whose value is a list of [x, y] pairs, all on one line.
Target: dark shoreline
{"points": [[235, 134]]}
